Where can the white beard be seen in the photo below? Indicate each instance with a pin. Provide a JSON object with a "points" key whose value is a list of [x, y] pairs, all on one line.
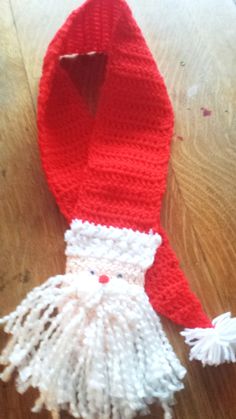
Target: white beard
{"points": [[95, 350]]}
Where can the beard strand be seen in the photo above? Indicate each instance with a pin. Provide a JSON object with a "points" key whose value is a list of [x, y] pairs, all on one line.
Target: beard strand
{"points": [[95, 353]]}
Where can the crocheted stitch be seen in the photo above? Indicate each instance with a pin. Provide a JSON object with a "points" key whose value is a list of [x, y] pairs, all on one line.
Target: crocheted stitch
{"points": [[86, 239]]}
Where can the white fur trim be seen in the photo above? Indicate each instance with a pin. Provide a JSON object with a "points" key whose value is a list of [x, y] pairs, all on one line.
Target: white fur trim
{"points": [[95, 350], [216, 345], [125, 245]]}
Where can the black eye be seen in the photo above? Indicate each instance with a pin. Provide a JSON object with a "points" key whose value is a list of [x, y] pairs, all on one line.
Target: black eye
{"points": [[119, 276], [92, 272]]}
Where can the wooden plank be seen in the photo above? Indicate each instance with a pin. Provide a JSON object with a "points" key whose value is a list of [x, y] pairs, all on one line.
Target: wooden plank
{"points": [[30, 223], [37, 22], [204, 161], [209, 392], [194, 45]]}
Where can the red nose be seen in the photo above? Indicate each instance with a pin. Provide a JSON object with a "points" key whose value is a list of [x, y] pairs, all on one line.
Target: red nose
{"points": [[104, 279]]}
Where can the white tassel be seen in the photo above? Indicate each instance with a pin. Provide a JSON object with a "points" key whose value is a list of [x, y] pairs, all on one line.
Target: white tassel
{"points": [[167, 411], [216, 345], [95, 350]]}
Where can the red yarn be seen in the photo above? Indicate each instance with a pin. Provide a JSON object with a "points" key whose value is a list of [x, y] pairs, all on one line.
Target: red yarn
{"points": [[110, 168], [104, 279]]}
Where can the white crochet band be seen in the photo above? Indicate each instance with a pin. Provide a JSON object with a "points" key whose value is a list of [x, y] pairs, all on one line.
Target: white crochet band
{"points": [[85, 239]]}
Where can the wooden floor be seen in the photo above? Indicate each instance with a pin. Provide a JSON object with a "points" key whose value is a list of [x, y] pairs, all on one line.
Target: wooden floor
{"points": [[194, 43]]}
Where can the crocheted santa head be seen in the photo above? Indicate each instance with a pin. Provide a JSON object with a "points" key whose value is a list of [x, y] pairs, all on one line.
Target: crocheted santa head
{"points": [[90, 340]]}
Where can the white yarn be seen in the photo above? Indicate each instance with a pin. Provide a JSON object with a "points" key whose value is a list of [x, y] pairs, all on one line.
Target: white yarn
{"points": [[95, 350], [167, 411], [216, 345], [131, 273], [125, 245]]}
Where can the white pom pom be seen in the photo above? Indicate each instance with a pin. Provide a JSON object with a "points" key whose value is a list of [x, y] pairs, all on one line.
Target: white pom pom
{"points": [[216, 345]]}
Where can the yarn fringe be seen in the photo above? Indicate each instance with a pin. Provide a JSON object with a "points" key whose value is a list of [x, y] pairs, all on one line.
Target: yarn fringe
{"points": [[216, 345], [95, 351]]}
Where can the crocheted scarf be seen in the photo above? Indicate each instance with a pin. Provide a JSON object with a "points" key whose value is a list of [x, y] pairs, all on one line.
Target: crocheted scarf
{"points": [[90, 340]]}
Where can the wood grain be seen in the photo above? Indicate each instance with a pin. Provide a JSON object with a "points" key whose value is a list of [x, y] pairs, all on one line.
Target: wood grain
{"points": [[194, 44]]}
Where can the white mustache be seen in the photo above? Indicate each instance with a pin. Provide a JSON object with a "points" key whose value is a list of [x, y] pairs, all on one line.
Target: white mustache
{"points": [[85, 285]]}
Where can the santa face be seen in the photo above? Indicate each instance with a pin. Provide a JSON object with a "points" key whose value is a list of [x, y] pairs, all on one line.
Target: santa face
{"points": [[103, 271], [107, 261]]}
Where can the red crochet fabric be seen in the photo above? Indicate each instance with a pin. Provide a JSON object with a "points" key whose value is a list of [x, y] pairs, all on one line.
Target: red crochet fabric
{"points": [[108, 164]]}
